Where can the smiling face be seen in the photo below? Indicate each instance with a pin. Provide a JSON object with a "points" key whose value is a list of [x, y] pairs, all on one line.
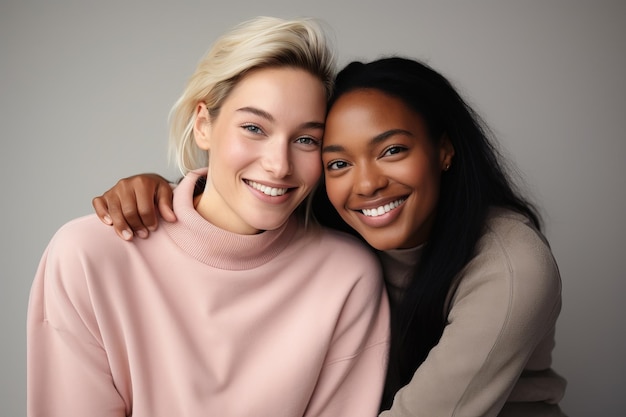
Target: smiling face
{"points": [[264, 149], [382, 170]]}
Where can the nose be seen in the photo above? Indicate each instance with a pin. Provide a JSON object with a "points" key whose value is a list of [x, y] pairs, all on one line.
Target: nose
{"points": [[369, 179], [277, 158]]}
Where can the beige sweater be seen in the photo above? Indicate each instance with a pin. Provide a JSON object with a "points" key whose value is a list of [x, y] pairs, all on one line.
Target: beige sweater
{"points": [[494, 356]]}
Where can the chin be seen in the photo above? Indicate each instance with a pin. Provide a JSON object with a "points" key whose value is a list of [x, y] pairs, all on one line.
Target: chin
{"points": [[383, 246], [388, 239], [381, 242], [271, 225]]}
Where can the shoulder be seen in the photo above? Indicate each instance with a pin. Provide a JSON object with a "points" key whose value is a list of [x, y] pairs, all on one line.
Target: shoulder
{"points": [[512, 237], [86, 235], [341, 258], [346, 247], [513, 253], [84, 249], [78, 252]]}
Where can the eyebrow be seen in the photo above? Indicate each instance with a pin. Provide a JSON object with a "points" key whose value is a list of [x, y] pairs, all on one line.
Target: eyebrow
{"points": [[270, 118], [374, 141], [257, 112]]}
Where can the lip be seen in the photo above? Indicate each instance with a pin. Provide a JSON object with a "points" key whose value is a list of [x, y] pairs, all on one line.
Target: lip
{"points": [[389, 215], [269, 193]]}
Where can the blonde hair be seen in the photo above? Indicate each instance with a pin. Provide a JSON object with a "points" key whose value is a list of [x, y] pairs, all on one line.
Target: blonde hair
{"points": [[258, 43]]}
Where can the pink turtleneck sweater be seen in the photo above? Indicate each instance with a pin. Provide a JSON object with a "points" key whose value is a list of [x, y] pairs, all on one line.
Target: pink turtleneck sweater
{"points": [[197, 321]]}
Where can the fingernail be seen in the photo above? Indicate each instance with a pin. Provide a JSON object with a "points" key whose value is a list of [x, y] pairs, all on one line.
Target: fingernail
{"points": [[108, 220], [142, 234], [126, 234]]}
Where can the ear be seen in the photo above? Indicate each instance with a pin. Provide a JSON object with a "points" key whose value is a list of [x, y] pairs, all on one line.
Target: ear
{"points": [[446, 153], [202, 127]]}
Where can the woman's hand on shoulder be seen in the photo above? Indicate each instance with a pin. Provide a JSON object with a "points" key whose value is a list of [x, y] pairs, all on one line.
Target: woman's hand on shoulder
{"points": [[132, 205]]}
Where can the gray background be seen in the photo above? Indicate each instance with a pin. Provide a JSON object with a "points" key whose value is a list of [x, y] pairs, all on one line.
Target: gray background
{"points": [[85, 88]]}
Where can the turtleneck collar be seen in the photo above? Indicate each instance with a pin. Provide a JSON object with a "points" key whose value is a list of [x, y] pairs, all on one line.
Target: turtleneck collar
{"points": [[398, 266], [217, 247]]}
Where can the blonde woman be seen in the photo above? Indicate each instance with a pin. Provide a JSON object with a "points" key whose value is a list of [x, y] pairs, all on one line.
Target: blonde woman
{"points": [[241, 307]]}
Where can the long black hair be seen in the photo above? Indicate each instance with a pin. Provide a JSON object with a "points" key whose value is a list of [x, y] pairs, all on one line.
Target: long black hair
{"points": [[476, 181]]}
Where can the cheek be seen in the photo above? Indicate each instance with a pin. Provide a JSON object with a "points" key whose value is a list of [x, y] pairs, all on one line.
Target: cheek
{"points": [[309, 167], [227, 149], [338, 191], [239, 149], [426, 183], [423, 171]]}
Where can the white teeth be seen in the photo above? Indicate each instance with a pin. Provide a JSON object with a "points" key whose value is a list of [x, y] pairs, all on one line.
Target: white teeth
{"points": [[382, 209], [267, 190]]}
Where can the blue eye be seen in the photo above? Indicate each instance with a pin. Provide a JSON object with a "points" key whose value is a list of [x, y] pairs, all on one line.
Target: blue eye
{"points": [[253, 129], [307, 140]]}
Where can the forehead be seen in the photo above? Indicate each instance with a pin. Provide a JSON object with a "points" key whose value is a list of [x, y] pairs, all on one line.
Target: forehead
{"points": [[367, 113], [279, 84], [285, 96]]}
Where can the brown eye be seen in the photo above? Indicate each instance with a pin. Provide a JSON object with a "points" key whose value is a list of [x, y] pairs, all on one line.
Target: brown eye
{"points": [[335, 165], [392, 150]]}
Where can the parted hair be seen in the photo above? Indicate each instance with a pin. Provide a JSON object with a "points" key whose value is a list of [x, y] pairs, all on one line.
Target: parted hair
{"points": [[262, 42]]}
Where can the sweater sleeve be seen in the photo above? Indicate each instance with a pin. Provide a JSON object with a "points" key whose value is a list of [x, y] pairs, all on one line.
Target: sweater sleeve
{"points": [[351, 381], [506, 302], [67, 369]]}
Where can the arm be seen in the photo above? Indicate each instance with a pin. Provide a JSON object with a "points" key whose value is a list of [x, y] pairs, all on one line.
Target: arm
{"points": [[507, 301], [131, 205], [68, 372], [351, 381]]}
